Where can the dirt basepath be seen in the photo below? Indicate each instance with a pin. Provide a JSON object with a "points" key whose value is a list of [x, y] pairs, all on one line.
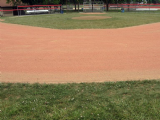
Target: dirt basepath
{"points": [[33, 54]]}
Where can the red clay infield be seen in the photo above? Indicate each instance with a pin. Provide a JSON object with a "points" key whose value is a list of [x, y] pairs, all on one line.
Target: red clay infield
{"points": [[33, 54]]}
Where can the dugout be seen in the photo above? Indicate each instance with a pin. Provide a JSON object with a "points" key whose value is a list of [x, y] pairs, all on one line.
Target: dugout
{"points": [[11, 11], [7, 10], [30, 9]]}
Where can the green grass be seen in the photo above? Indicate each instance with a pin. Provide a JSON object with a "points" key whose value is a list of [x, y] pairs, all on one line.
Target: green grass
{"points": [[65, 21], [134, 100]]}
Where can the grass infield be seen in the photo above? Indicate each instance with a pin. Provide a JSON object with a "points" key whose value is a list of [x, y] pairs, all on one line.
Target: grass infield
{"points": [[65, 21], [134, 100]]}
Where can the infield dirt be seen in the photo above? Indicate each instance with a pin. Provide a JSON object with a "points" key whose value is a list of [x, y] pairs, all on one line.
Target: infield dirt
{"points": [[33, 54], [91, 17]]}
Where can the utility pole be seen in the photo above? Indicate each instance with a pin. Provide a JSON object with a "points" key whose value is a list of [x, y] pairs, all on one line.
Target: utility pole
{"points": [[106, 5]]}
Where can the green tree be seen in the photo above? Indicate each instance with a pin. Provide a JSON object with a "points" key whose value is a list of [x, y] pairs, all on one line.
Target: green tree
{"points": [[33, 2], [13, 2]]}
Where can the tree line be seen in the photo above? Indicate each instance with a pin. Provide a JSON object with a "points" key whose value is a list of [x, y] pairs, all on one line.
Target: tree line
{"points": [[54, 2]]}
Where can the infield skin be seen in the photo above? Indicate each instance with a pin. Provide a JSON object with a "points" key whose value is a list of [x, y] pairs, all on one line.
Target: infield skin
{"points": [[33, 54]]}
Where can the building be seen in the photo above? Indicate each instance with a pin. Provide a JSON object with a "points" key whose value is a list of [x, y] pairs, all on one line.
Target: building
{"points": [[5, 6], [3, 3]]}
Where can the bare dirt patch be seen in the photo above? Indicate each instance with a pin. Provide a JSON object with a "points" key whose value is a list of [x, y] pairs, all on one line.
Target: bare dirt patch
{"points": [[1, 20], [18, 16], [33, 54], [90, 17]]}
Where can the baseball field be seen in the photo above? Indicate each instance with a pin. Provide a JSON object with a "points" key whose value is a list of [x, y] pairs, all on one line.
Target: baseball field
{"points": [[89, 57]]}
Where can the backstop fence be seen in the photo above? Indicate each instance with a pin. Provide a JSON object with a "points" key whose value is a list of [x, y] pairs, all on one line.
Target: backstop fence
{"points": [[93, 6]]}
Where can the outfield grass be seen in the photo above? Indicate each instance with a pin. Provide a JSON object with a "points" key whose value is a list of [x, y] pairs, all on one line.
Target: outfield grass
{"points": [[134, 100], [65, 21]]}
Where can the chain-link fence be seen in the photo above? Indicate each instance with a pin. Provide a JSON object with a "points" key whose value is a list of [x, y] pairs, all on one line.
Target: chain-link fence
{"points": [[30, 10], [93, 6], [134, 7]]}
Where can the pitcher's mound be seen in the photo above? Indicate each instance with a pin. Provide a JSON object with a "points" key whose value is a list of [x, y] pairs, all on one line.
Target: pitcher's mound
{"points": [[91, 17], [92, 13]]}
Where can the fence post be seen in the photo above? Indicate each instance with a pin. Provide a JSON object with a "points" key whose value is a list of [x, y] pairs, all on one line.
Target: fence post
{"points": [[17, 11]]}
